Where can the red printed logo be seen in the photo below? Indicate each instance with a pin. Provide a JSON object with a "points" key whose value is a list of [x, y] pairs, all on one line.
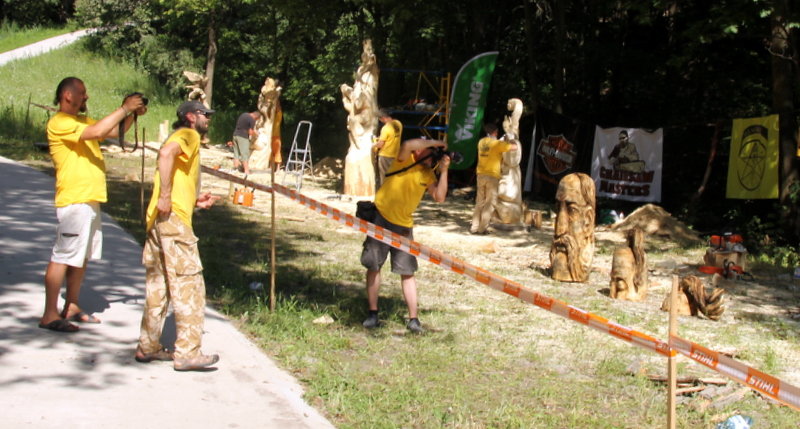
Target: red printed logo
{"points": [[557, 154], [763, 382]]}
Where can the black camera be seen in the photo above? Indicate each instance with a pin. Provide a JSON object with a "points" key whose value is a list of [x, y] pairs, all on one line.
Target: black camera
{"points": [[438, 152], [144, 99]]}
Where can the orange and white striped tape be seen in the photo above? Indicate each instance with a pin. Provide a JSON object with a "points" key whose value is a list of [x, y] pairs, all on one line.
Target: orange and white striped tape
{"points": [[766, 384], [483, 276]]}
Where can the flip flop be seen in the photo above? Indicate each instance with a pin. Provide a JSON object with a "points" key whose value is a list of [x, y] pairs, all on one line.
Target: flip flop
{"points": [[60, 325], [82, 317]]}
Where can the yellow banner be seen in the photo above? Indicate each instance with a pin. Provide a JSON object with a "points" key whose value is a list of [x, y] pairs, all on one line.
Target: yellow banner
{"points": [[753, 165]]}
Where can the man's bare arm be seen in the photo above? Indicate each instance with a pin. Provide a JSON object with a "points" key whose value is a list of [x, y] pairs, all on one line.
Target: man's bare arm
{"points": [[412, 145], [109, 126], [438, 190], [166, 161]]}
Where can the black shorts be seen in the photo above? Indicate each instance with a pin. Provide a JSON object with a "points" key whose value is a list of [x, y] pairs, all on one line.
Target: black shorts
{"points": [[375, 252]]}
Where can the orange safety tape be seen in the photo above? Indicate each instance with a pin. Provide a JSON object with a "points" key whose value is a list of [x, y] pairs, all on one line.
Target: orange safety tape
{"points": [[234, 179], [766, 384], [481, 275]]}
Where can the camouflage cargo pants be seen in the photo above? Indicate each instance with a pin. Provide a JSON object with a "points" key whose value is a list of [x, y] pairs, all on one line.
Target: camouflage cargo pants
{"points": [[174, 274]]}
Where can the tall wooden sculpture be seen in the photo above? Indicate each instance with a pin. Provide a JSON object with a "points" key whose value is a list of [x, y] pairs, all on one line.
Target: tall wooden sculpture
{"points": [[509, 193], [197, 87], [268, 107], [361, 103], [573, 239], [629, 268]]}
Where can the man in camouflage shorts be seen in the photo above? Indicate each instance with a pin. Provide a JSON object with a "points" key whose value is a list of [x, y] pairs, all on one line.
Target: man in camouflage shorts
{"points": [[171, 258]]}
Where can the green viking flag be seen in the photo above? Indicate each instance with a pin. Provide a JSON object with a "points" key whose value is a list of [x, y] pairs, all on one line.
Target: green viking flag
{"points": [[467, 103]]}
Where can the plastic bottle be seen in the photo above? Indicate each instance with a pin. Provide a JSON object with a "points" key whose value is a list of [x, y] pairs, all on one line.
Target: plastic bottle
{"points": [[736, 422]]}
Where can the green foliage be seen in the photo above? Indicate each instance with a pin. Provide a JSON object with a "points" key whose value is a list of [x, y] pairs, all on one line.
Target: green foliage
{"points": [[36, 12], [763, 233], [781, 256], [23, 123], [641, 64], [107, 81]]}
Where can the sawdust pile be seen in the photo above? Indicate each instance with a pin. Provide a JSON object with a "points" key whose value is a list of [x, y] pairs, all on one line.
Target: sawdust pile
{"points": [[654, 220], [329, 167]]}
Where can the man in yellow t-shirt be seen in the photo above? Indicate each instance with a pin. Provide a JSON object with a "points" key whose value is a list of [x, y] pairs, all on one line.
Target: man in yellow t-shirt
{"points": [[171, 259], [74, 144], [412, 173], [388, 144], [490, 158]]}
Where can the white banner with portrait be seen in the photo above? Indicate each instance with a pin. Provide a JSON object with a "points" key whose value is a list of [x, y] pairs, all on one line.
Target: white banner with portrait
{"points": [[627, 163]]}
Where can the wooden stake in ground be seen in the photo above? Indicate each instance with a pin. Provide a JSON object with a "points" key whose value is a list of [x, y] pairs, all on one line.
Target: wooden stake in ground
{"points": [[141, 183], [272, 248], [672, 368]]}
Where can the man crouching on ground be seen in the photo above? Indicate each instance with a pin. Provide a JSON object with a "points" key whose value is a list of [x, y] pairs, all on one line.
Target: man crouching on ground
{"points": [[171, 259], [412, 173]]}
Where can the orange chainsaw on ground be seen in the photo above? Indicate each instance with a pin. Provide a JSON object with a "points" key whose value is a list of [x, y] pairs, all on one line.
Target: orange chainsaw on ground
{"points": [[728, 270]]}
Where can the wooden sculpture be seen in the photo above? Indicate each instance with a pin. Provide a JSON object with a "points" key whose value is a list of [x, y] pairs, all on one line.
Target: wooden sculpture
{"points": [[268, 105], [361, 103], [629, 268], [693, 299], [573, 238], [509, 208], [197, 87]]}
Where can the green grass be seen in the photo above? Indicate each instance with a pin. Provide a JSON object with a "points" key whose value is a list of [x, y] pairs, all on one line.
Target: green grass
{"points": [[107, 82], [34, 80], [13, 37], [488, 361]]}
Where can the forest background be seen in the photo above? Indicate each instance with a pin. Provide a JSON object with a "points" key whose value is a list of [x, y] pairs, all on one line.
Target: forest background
{"points": [[689, 67]]}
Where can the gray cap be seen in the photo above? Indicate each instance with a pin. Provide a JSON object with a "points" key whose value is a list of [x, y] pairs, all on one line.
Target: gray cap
{"points": [[193, 106]]}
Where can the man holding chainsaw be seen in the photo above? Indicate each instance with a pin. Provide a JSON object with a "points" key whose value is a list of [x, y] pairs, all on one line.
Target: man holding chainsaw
{"points": [[80, 188], [171, 258]]}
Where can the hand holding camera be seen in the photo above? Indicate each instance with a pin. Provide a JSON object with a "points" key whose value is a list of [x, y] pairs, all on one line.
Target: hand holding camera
{"points": [[135, 103], [440, 153]]}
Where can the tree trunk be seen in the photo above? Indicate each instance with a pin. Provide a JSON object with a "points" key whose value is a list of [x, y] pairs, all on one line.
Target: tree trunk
{"points": [[558, 79], [783, 103], [212, 57], [530, 42]]}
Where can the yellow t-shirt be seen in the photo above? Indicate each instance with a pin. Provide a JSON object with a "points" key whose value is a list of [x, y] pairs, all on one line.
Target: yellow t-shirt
{"points": [[80, 169], [490, 156], [390, 134], [185, 178], [400, 194]]}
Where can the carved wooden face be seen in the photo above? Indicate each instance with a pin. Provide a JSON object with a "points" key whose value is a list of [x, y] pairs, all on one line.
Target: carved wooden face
{"points": [[623, 269], [573, 241]]}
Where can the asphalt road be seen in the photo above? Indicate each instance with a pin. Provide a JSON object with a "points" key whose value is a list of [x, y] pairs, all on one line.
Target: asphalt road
{"points": [[89, 379]]}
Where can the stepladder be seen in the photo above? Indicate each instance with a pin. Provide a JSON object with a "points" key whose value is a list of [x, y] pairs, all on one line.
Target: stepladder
{"points": [[299, 159]]}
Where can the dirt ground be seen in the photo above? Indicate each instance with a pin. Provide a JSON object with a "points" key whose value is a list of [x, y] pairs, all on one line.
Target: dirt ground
{"points": [[522, 254]]}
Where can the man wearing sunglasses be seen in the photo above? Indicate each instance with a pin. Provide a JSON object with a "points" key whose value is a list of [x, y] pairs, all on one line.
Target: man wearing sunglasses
{"points": [[171, 258]]}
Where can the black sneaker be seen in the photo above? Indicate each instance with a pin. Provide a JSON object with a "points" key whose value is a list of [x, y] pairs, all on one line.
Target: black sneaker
{"points": [[415, 327], [371, 321]]}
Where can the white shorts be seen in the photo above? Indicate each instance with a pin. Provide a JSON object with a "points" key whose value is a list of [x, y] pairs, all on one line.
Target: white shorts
{"points": [[80, 235]]}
